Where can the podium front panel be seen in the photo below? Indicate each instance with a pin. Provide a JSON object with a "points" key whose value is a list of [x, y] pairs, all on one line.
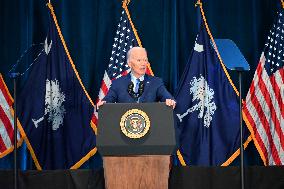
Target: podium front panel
{"points": [[160, 139]]}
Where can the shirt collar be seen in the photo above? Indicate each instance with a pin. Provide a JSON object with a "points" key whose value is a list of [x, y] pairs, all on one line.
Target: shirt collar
{"points": [[133, 78]]}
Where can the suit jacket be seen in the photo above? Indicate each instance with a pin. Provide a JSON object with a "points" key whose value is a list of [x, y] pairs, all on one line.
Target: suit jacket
{"points": [[154, 90]]}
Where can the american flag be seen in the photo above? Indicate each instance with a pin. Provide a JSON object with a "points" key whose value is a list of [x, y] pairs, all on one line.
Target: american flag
{"points": [[124, 40], [6, 120], [264, 108]]}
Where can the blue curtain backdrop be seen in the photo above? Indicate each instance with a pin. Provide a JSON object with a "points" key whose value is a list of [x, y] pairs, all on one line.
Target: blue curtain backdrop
{"points": [[167, 29]]}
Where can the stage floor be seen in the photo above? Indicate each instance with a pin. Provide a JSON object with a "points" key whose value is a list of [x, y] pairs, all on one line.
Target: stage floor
{"points": [[257, 177]]}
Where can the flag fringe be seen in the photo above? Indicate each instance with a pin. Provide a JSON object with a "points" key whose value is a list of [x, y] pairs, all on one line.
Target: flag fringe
{"points": [[237, 153], [226, 163], [19, 143], [92, 152], [11, 149], [124, 5], [85, 158], [67, 52], [262, 156], [180, 157], [199, 3], [6, 88], [29, 146], [93, 125]]}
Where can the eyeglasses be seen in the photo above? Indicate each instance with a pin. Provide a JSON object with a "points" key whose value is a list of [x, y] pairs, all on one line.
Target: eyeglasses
{"points": [[141, 60]]}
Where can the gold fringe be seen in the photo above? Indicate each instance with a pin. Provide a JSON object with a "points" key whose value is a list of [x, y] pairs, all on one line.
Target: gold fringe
{"points": [[199, 3], [11, 149], [94, 127], [181, 160], [126, 2], [24, 136], [150, 69], [226, 163], [84, 159], [6, 152], [6, 88], [67, 52], [237, 153], [254, 140], [19, 143], [282, 2], [124, 5], [132, 25], [230, 160], [92, 152], [69, 57], [21, 130]]}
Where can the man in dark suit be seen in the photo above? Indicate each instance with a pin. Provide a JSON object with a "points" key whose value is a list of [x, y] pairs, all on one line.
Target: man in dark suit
{"points": [[138, 86]]}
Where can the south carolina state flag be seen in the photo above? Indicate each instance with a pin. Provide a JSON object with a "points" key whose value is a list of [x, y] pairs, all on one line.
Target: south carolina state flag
{"points": [[54, 107], [207, 112]]}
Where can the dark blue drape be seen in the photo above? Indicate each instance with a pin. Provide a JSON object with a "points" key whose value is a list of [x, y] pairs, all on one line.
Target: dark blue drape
{"points": [[167, 29]]}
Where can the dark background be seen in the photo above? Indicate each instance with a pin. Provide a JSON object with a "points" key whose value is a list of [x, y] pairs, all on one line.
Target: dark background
{"points": [[167, 29]]}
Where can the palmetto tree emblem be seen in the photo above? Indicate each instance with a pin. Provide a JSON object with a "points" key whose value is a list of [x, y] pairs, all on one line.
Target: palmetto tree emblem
{"points": [[54, 107], [204, 96]]}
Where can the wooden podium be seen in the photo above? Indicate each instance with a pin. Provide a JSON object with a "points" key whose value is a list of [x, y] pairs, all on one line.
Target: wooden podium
{"points": [[136, 163], [136, 172]]}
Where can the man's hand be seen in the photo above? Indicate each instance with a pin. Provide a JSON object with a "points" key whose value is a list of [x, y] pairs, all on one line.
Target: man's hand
{"points": [[100, 103], [170, 102]]}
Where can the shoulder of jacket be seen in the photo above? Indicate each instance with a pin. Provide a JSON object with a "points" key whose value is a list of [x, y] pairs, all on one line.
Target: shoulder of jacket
{"points": [[121, 79], [156, 79]]}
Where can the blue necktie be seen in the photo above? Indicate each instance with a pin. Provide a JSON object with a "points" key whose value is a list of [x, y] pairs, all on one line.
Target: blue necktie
{"points": [[137, 86]]}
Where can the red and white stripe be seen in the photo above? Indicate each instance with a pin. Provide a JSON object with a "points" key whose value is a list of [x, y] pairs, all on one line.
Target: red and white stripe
{"points": [[106, 83], [6, 119], [264, 110]]}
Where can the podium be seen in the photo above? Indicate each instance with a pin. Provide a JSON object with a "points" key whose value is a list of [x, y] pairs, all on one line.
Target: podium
{"points": [[136, 141]]}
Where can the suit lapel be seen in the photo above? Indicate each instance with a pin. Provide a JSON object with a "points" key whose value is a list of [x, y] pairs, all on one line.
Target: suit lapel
{"points": [[128, 80], [147, 83]]}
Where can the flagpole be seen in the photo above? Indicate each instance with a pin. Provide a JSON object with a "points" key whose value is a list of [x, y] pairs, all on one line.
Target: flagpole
{"points": [[15, 137], [241, 133], [14, 77]]}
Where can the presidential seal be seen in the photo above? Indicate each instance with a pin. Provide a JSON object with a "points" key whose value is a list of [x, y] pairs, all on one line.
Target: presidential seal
{"points": [[135, 123]]}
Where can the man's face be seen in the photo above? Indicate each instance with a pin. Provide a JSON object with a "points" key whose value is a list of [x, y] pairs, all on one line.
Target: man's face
{"points": [[138, 62]]}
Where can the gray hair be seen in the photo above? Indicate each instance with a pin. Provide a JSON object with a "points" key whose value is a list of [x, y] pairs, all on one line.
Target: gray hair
{"points": [[130, 51]]}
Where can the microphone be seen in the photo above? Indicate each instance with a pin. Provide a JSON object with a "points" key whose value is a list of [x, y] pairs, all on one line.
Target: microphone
{"points": [[130, 89], [140, 89], [131, 92]]}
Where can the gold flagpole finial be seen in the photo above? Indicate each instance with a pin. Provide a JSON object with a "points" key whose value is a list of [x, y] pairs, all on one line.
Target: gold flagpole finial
{"points": [[48, 3], [198, 3], [125, 2]]}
